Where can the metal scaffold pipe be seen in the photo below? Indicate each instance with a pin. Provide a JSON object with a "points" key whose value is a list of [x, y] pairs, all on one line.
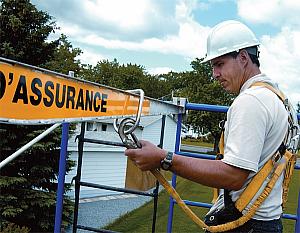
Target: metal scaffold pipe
{"points": [[29, 144]]}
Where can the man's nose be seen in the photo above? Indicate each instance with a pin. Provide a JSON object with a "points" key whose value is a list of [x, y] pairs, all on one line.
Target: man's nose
{"points": [[216, 74]]}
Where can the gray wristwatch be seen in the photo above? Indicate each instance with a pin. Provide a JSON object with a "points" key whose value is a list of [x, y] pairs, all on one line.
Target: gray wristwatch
{"points": [[166, 163]]}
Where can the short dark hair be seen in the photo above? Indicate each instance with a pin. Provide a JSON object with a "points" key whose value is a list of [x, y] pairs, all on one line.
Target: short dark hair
{"points": [[253, 54]]}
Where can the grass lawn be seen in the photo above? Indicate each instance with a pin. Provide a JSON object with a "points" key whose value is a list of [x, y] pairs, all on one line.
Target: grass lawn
{"points": [[140, 220], [196, 142]]}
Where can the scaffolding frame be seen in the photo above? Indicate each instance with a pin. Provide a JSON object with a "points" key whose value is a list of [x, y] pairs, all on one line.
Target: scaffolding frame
{"points": [[221, 109], [79, 183]]}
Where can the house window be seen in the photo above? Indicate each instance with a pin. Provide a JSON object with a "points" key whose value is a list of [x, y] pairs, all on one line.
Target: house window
{"points": [[90, 126], [104, 127]]}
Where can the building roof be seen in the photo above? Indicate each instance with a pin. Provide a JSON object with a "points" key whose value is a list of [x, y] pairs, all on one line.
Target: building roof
{"points": [[144, 121], [100, 135]]}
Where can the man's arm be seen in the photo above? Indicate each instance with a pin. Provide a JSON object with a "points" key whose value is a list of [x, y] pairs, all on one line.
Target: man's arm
{"points": [[213, 173]]}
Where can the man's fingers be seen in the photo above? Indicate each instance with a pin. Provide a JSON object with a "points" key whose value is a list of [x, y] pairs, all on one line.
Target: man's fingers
{"points": [[143, 142], [131, 152]]}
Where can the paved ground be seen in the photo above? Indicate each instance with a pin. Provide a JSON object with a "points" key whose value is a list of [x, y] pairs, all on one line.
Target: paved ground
{"points": [[98, 212], [197, 149]]}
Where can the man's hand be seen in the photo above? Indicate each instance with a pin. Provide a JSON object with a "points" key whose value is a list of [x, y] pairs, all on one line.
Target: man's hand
{"points": [[213, 173], [148, 157]]}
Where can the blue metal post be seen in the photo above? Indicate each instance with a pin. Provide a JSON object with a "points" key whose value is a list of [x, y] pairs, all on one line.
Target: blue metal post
{"points": [[177, 144], [61, 177], [297, 225], [206, 107]]}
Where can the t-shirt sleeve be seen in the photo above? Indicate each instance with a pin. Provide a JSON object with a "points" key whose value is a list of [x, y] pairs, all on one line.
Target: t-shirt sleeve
{"points": [[247, 121]]}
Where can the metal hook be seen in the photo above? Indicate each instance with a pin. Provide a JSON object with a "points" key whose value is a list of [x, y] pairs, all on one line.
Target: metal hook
{"points": [[138, 114], [133, 142]]}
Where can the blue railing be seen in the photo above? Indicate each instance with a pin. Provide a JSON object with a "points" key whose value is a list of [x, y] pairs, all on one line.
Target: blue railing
{"points": [[210, 108], [189, 106]]}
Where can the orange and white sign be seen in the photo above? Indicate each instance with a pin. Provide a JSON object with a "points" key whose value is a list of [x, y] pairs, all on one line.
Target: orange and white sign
{"points": [[32, 95]]}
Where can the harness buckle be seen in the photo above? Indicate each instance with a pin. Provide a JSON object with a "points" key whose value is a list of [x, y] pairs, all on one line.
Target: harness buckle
{"points": [[276, 157], [222, 124]]}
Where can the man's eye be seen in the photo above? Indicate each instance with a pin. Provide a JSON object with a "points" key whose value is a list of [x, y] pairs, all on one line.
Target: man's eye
{"points": [[219, 64]]}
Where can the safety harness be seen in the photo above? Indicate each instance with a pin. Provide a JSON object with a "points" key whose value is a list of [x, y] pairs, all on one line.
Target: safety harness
{"points": [[287, 151], [280, 160]]}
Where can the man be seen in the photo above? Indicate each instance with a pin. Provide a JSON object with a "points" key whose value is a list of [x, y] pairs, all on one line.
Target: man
{"points": [[256, 125]]}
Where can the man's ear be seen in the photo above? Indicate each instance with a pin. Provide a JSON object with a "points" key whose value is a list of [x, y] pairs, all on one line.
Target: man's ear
{"points": [[244, 57]]}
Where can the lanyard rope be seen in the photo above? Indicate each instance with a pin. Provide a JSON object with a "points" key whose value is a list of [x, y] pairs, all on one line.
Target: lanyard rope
{"points": [[236, 223]]}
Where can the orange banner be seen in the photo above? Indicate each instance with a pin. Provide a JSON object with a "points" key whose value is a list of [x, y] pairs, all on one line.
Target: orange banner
{"points": [[32, 95]]}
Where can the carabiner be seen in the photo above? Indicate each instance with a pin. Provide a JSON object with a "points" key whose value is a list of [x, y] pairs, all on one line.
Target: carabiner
{"points": [[130, 143], [138, 113]]}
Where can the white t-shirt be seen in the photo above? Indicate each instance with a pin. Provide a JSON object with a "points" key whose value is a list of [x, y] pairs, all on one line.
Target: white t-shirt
{"points": [[256, 126]]}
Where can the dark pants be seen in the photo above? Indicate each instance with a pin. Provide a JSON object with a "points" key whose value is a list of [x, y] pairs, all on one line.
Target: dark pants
{"points": [[257, 226]]}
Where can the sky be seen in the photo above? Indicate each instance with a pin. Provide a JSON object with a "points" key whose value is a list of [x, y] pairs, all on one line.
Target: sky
{"points": [[166, 35]]}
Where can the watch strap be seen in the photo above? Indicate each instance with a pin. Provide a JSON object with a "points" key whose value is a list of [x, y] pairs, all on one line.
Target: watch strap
{"points": [[166, 163]]}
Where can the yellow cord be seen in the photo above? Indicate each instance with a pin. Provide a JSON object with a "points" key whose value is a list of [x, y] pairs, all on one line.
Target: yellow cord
{"points": [[230, 225]]}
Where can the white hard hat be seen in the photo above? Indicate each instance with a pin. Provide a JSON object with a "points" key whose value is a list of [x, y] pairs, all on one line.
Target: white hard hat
{"points": [[227, 37]]}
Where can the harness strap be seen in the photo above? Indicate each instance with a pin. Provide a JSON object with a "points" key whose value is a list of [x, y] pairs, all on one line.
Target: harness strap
{"points": [[267, 190], [258, 180], [221, 144], [287, 178], [292, 161], [219, 156], [268, 86], [254, 186]]}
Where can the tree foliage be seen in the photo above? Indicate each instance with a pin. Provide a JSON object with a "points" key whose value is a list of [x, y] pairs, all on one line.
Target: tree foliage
{"points": [[64, 57], [23, 32], [199, 87], [126, 77], [29, 183]]}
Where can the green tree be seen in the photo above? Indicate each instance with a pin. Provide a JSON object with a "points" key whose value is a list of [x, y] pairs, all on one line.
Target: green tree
{"points": [[174, 80], [115, 75], [104, 72], [28, 184], [23, 32], [199, 87], [156, 86], [64, 58], [126, 77]]}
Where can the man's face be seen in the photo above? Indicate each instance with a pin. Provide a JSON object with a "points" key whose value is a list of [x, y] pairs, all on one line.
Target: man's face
{"points": [[228, 71]]}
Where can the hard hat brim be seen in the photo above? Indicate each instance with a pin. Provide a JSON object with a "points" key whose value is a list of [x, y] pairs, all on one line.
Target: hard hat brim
{"points": [[209, 58]]}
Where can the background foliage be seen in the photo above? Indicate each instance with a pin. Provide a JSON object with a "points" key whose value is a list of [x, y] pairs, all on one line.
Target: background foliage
{"points": [[28, 184]]}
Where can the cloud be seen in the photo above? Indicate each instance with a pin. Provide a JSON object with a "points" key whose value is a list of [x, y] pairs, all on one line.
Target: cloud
{"points": [[188, 40], [280, 58], [273, 12], [280, 53], [160, 70], [91, 58], [124, 20]]}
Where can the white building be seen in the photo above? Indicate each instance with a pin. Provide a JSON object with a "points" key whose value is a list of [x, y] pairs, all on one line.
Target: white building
{"points": [[106, 165]]}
